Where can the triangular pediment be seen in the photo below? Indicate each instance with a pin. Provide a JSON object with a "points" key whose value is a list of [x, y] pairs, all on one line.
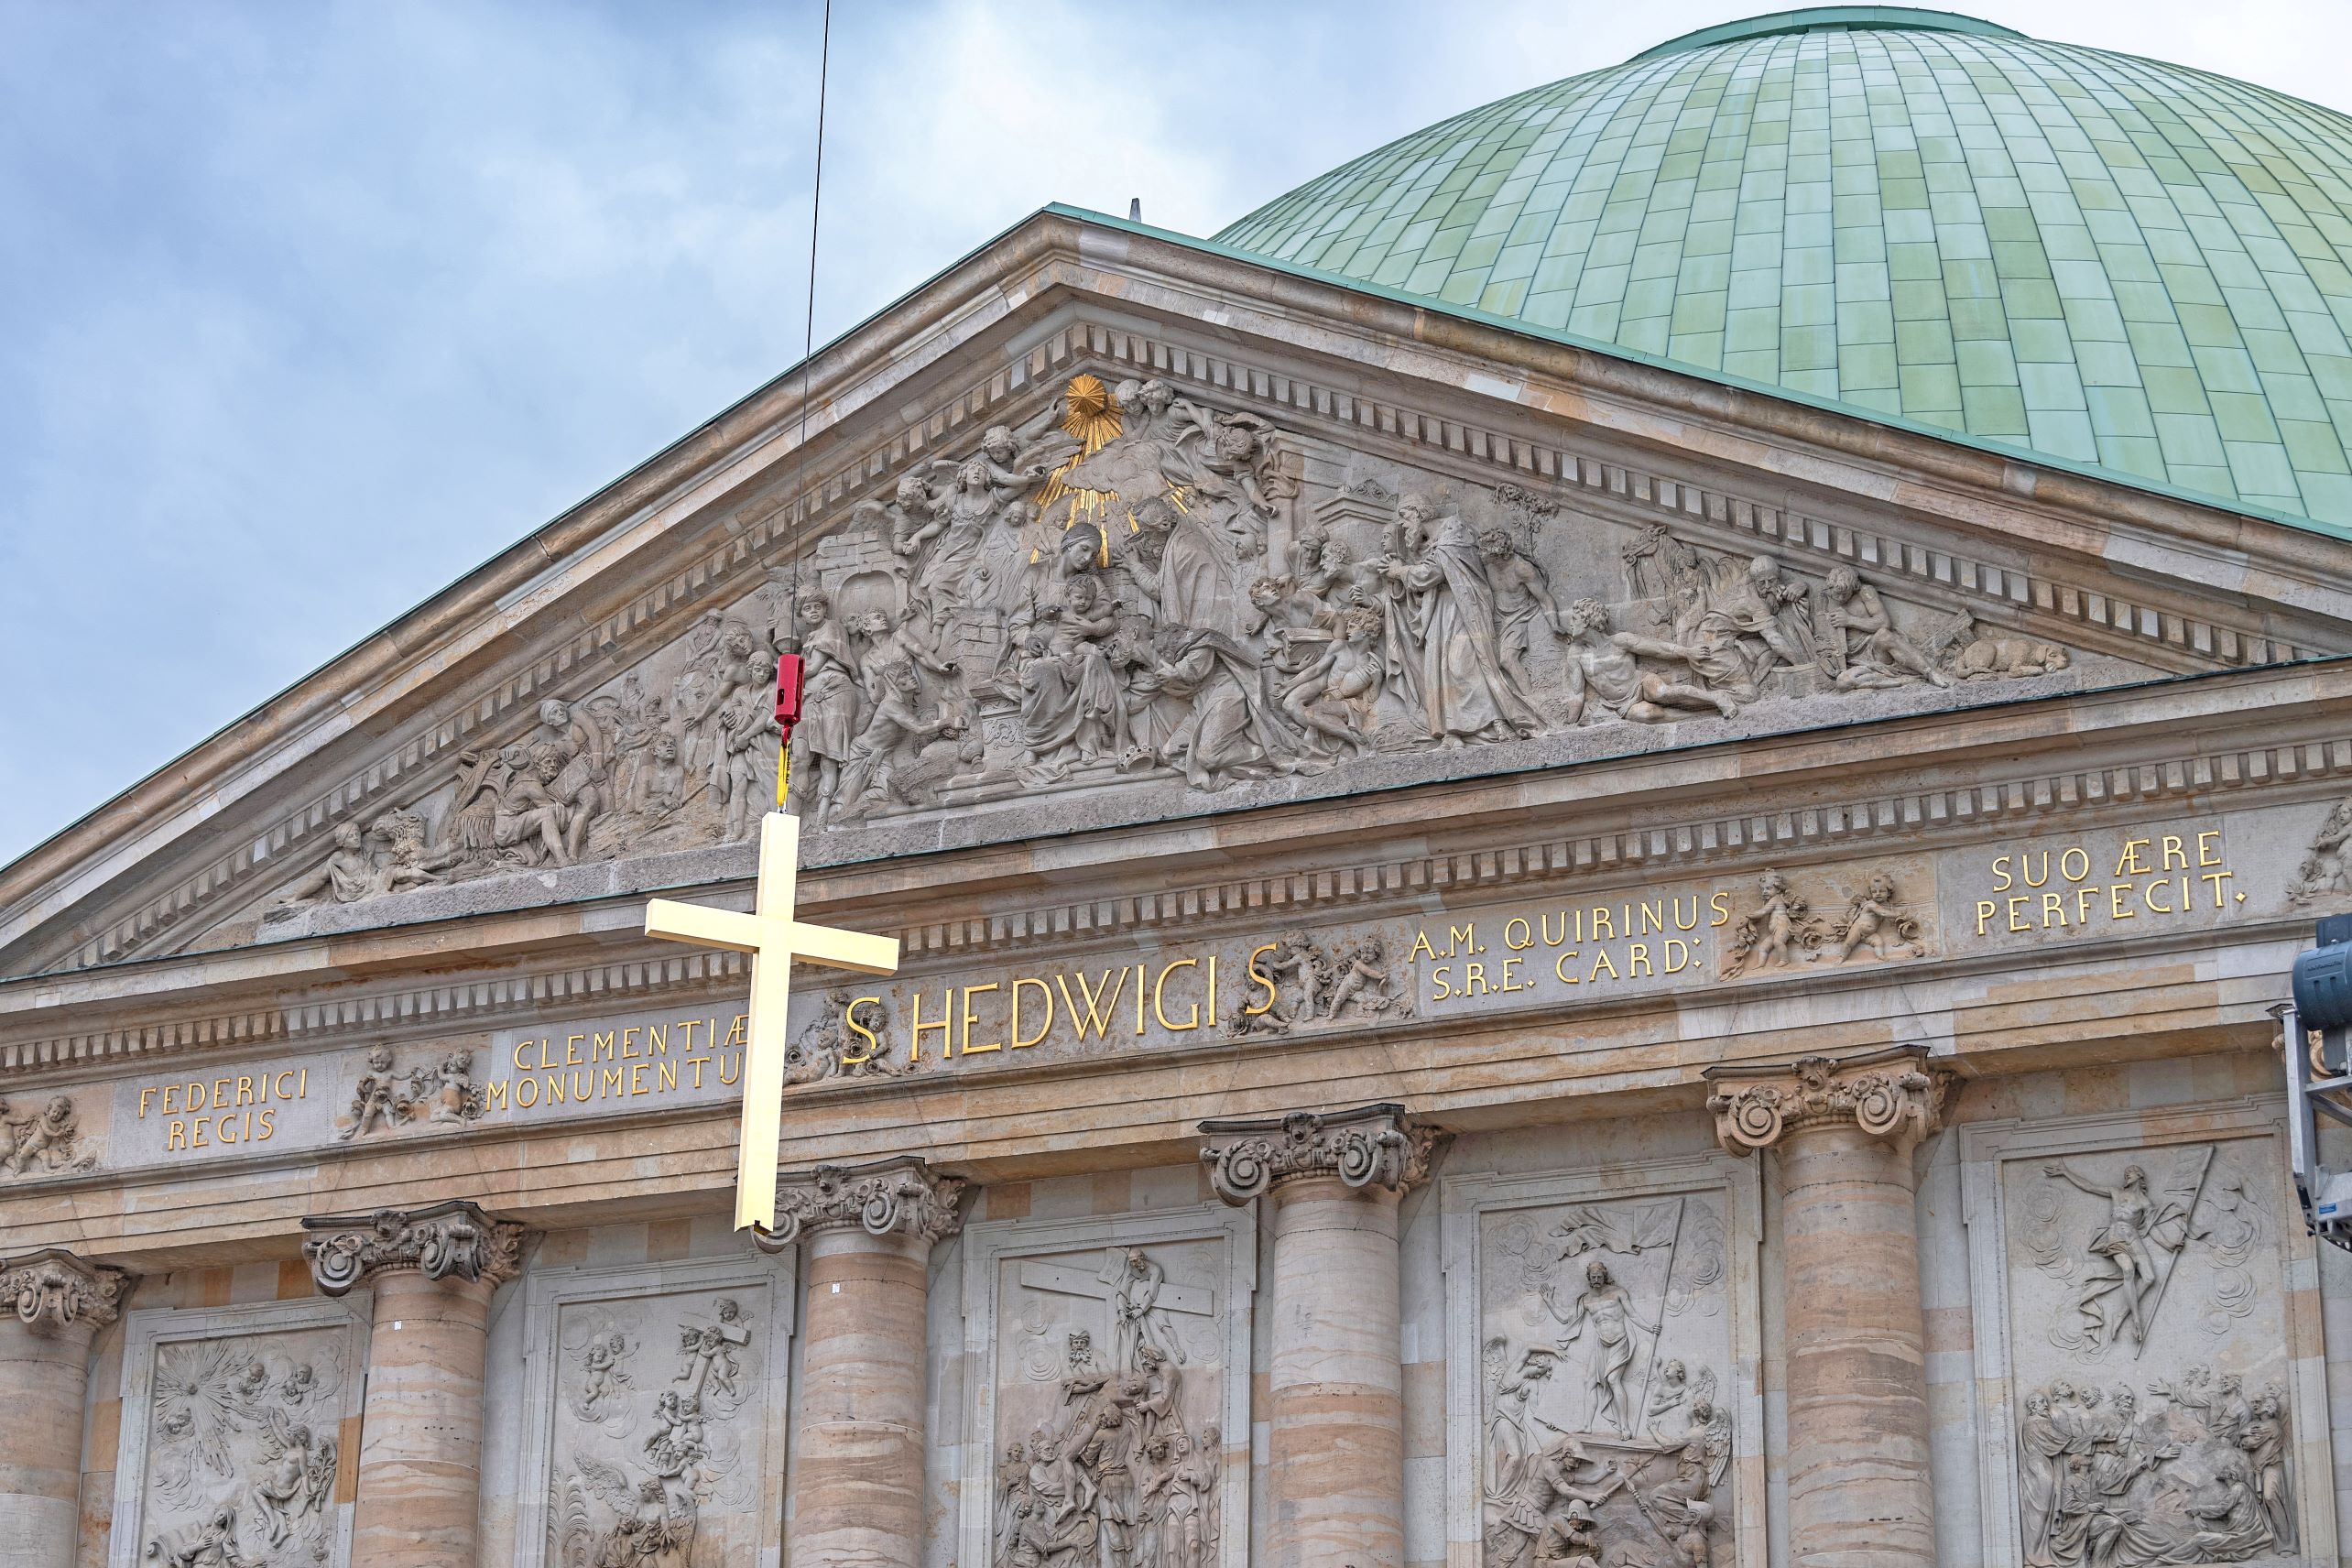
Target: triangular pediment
{"points": [[1103, 527]]}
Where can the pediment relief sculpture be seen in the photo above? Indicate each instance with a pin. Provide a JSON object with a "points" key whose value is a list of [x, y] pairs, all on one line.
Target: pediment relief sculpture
{"points": [[1133, 586]]}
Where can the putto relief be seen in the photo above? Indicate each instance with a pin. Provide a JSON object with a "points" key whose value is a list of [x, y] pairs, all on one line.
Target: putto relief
{"points": [[1135, 586], [1605, 1428], [2152, 1421], [659, 1431], [437, 1090], [1110, 1387], [43, 1138], [242, 1449]]}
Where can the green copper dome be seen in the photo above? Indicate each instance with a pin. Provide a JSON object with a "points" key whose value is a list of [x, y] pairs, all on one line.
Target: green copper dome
{"points": [[2089, 255]]}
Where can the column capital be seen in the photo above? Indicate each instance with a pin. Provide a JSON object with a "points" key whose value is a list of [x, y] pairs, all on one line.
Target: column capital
{"points": [[1891, 1095], [53, 1289], [447, 1241], [1372, 1146], [902, 1195]]}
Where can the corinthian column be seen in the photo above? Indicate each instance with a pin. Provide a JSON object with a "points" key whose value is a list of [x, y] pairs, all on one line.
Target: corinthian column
{"points": [[1859, 1491], [431, 1272], [857, 1467], [59, 1304], [1335, 1482]]}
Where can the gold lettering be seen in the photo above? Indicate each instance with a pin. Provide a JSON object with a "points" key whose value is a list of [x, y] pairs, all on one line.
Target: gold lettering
{"points": [[1719, 901], [657, 1039], [2025, 864], [665, 1074], [1690, 924], [2174, 850], [527, 1093], [1138, 1001], [1511, 981], [686, 1027], [175, 1135], [738, 1031], [1986, 910], [145, 1094], [969, 1018], [608, 1082], [696, 1063], [602, 1045], [220, 1093], [1560, 967], [497, 1094], [169, 1091], [555, 1089], [946, 1018], [546, 1063], [196, 1137], [636, 1078], [265, 1127], [1544, 923], [1462, 939], [1044, 1028], [521, 1066], [1600, 961], [1602, 923], [2130, 860], [2016, 902], [629, 1044], [2216, 879], [724, 1080], [2075, 864], [1442, 977], [2002, 880], [2115, 890], [2054, 904], [227, 1132], [1526, 938], [1653, 918], [1637, 960], [2207, 854], [1676, 963], [1420, 945], [2083, 898], [849, 1021], [1212, 990], [571, 1049], [1159, 997], [1474, 978], [1099, 1003], [2149, 897], [1256, 977]]}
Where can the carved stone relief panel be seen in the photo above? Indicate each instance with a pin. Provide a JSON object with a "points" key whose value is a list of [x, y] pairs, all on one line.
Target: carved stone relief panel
{"points": [[237, 1423], [655, 1398], [2149, 1395], [1135, 587], [1108, 1417], [1601, 1396], [43, 1135]]}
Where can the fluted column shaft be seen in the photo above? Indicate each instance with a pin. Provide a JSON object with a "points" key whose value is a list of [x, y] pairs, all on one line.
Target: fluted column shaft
{"points": [[857, 1461], [51, 1307], [433, 1273], [1336, 1481], [1860, 1494]]}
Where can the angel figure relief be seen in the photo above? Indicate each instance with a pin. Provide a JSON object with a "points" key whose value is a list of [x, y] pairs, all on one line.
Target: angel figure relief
{"points": [[296, 1477], [2122, 1268], [1773, 934]]}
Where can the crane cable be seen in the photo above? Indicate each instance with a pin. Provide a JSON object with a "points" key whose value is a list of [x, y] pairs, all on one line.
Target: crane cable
{"points": [[788, 664]]}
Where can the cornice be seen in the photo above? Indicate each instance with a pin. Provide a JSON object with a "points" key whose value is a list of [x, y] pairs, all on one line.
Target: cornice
{"points": [[711, 478], [2152, 749]]}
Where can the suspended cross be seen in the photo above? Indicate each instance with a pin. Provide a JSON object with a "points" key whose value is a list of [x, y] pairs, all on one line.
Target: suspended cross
{"points": [[773, 938]]}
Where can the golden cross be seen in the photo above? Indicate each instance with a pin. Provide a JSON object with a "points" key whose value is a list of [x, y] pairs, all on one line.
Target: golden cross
{"points": [[774, 939]]}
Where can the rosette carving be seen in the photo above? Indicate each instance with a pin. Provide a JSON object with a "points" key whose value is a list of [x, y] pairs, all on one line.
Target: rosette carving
{"points": [[51, 1290], [448, 1241], [1891, 1095], [1373, 1146], [902, 1195]]}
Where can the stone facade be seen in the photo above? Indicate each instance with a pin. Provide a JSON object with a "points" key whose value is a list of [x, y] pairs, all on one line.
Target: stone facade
{"points": [[1509, 958]]}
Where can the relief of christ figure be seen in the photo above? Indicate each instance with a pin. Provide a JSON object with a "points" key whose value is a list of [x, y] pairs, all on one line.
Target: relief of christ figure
{"points": [[1607, 1308]]}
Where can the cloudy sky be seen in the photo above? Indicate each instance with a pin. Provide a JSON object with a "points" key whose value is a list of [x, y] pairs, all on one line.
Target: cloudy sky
{"points": [[307, 309]]}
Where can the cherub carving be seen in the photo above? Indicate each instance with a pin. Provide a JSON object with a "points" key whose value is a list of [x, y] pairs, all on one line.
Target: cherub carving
{"points": [[50, 1138], [1771, 934], [379, 1100], [1873, 921], [603, 1371], [1333, 699]]}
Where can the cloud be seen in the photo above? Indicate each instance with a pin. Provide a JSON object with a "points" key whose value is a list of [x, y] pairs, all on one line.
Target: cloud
{"points": [[310, 309]]}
